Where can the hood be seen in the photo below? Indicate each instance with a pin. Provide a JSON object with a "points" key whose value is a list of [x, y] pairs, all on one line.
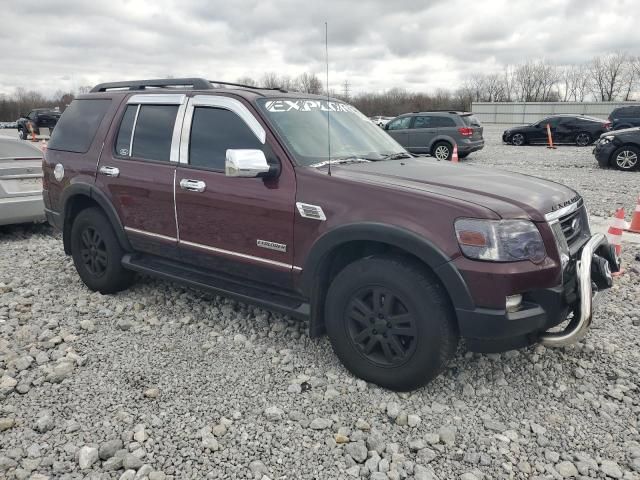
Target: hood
{"points": [[510, 195], [622, 131]]}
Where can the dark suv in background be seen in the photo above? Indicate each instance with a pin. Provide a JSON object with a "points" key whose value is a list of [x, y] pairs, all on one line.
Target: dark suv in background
{"points": [[37, 119], [625, 117], [577, 129], [233, 190], [436, 133]]}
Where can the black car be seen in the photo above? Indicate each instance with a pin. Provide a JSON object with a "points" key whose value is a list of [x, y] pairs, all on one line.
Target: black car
{"points": [[576, 129], [35, 120], [625, 117], [619, 149]]}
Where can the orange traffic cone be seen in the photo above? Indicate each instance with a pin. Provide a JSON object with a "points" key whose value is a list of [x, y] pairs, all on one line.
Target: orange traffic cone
{"points": [[454, 156], [614, 234], [33, 132], [635, 219], [549, 137]]}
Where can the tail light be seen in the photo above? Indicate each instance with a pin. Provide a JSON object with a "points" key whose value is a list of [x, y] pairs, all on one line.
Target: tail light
{"points": [[465, 131], [607, 125]]}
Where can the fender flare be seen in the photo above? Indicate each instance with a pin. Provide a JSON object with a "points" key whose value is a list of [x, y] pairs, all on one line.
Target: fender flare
{"points": [[91, 192], [398, 237]]}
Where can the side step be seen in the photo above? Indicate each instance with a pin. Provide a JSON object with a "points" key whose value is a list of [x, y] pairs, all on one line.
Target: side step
{"points": [[245, 291]]}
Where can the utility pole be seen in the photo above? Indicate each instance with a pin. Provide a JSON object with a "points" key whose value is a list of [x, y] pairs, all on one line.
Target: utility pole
{"points": [[345, 89]]}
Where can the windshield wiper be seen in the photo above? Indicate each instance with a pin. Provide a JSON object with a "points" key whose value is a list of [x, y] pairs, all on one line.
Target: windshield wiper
{"points": [[341, 161], [396, 156]]}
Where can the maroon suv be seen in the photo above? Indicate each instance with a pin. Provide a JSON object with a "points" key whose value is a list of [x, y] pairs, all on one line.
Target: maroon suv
{"points": [[302, 205]]}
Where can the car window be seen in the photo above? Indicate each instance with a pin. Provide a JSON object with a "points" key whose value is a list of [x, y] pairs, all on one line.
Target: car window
{"points": [[32, 115], [123, 140], [78, 125], [213, 131], [552, 121], [423, 122], [442, 122], [471, 120], [399, 124], [153, 132]]}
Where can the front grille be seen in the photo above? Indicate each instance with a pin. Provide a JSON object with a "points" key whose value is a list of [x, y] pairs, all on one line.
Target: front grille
{"points": [[574, 227]]}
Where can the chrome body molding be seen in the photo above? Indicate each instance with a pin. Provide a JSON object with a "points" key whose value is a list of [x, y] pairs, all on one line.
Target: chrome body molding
{"points": [[150, 234], [288, 266], [158, 98], [133, 131]]}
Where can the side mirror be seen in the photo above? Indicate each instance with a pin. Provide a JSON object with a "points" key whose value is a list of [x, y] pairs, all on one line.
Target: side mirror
{"points": [[386, 126], [246, 163]]}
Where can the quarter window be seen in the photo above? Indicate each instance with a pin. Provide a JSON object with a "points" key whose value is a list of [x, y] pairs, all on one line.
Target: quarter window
{"points": [[213, 131], [123, 142], [78, 125], [400, 123], [443, 122]]}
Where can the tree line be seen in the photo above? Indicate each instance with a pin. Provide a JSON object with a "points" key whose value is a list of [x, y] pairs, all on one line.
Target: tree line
{"points": [[609, 77]]}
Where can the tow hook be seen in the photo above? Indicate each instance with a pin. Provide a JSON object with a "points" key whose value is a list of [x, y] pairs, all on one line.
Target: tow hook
{"points": [[592, 270]]}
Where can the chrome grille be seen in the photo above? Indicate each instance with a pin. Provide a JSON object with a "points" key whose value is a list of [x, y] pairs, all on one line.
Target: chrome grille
{"points": [[571, 225]]}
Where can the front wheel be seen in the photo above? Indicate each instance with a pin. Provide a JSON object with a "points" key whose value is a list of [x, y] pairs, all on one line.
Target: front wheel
{"points": [[22, 134], [390, 322], [518, 139], [583, 139], [626, 158], [97, 254]]}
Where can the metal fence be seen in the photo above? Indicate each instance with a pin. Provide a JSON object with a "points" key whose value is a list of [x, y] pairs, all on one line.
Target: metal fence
{"points": [[529, 112]]}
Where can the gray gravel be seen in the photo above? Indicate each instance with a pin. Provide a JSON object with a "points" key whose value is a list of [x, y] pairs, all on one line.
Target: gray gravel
{"points": [[161, 382]]}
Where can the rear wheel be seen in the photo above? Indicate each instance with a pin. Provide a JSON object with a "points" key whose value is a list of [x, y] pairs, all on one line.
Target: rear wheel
{"points": [[583, 139], [518, 139], [626, 158], [390, 322], [97, 254], [442, 151]]}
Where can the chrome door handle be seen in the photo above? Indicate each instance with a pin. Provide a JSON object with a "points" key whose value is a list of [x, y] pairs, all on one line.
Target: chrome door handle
{"points": [[193, 185], [110, 171]]}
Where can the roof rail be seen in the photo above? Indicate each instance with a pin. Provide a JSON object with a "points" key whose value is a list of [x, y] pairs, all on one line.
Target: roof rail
{"points": [[191, 83]]}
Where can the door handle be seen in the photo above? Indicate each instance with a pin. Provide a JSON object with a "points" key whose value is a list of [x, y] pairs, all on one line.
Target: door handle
{"points": [[110, 171], [193, 185]]}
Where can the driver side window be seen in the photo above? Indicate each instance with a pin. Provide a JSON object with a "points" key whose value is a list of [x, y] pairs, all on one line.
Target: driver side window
{"points": [[400, 123]]}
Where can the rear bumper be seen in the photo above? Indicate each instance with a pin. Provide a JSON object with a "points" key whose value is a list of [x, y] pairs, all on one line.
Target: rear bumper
{"points": [[489, 330], [21, 209], [468, 146]]}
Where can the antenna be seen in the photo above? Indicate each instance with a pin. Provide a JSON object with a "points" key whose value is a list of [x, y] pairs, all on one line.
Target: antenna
{"points": [[326, 56]]}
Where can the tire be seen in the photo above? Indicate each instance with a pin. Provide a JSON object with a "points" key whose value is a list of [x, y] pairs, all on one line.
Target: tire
{"points": [[518, 139], [355, 309], [583, 139], [97, 253], [22, 134], [442, 151], [626, 158]]}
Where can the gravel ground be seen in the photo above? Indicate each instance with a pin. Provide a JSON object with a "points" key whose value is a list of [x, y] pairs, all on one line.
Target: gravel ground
{"points": [[163, 382]]}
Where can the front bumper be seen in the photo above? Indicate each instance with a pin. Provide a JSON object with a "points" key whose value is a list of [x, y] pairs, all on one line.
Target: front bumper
{"points": [[489, 330], [603, 152]]}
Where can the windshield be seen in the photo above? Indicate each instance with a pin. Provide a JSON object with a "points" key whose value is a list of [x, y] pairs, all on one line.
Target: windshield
{"points": [[302, 125]]}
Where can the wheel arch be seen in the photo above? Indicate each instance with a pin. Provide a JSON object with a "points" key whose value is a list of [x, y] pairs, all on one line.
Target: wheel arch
{"points": [[80, 196], [343, 245]]}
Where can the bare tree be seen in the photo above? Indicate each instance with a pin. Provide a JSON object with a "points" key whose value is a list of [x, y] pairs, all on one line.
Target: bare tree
{"points": [[270, 80], [308, 83], [607, 76], [246, 80]]}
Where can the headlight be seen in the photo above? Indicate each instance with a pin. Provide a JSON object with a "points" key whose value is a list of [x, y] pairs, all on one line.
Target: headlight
{"points": [[607, 139], [500, 240]]}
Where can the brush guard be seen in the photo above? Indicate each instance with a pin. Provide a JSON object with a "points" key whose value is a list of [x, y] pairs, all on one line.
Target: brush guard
{"points": [[588, 292]]}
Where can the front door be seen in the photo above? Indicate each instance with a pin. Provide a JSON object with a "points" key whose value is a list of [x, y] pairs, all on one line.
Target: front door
{"points": [[239, 226], [399, 130], [137, 171]]}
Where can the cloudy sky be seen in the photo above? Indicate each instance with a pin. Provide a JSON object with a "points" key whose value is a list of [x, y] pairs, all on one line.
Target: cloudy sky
{"points": [[374, 44]]}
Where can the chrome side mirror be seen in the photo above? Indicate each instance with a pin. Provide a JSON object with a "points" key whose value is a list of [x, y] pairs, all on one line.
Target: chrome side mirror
{"points": [[246, 163]]}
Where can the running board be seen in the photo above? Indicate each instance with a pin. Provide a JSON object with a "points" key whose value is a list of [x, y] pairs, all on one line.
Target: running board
{"points": [[244, 291]]}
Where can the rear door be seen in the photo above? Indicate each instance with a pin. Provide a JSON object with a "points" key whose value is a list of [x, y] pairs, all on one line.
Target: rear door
{"points": [[422, 133], [446, 126], [539, 134], [242, 227], [137, 170], [399, 129]]}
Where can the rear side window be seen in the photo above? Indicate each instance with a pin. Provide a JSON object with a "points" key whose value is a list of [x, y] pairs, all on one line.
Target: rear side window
{"points": [[213, 131], [442, 122], [78, 125], [152, 130], [422, 122], [471, 121]]}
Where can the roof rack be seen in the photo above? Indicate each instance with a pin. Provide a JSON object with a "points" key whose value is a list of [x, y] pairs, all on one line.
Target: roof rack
{"points": [[191, 83]]}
